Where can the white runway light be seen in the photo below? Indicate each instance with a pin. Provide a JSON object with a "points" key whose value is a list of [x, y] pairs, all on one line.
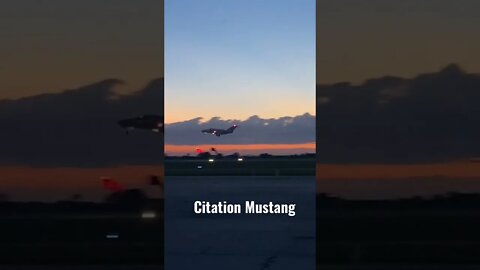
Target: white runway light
{"points": [[112, 236], [149, 214]]}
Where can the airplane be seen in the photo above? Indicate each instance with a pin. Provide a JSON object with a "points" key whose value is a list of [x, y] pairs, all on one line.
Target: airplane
{"points": [[146, 122], [220, 132]]}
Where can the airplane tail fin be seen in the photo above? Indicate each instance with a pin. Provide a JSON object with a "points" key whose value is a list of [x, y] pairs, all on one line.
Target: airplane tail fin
{"points": [[231, 129]]}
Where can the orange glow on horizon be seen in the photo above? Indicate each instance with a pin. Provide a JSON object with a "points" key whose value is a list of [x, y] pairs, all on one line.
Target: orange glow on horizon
{"points": [[367, 180], [458, 169], [51, 184], [244, 148]]}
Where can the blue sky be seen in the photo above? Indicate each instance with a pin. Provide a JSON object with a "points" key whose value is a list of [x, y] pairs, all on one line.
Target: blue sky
{"points": [[235, 59]]}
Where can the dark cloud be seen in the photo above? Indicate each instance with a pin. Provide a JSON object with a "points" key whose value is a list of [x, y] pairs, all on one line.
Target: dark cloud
{"points": [[254, 130], [78, 127], [430, 118]]}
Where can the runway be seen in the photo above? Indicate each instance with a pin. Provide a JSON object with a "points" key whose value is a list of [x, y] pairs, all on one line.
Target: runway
{"points": [[259, 241]]}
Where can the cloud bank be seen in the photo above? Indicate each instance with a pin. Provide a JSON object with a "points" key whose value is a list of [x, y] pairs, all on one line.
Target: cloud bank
{"points": [[433, 117], [254, 130], [78, 127]]}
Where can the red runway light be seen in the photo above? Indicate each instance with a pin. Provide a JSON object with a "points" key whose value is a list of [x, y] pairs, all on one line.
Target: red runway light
{"points": [[111, 185]]}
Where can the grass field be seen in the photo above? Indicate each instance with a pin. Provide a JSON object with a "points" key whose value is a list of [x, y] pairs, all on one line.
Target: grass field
{"points": [[249, 166]]}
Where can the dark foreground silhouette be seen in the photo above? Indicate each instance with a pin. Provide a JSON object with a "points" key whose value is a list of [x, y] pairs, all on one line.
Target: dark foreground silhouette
{"points": [[439, 230], [126, 229]]}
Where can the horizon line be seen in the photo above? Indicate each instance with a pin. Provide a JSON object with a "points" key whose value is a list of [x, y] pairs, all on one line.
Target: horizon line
{"points": [[246, 148]]}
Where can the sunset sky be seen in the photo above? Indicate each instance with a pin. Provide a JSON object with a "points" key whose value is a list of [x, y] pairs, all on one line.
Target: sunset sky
{"points": [[59, 44], [244, 61], [364, 39], [410, 134], [50, 46], [235, 59]]}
